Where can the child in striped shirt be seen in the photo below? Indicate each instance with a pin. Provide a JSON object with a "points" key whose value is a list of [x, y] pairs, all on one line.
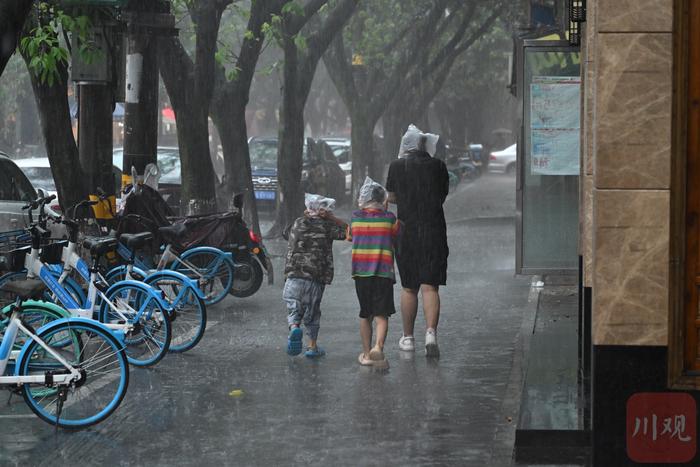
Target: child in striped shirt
{"points": [[374, 231]]}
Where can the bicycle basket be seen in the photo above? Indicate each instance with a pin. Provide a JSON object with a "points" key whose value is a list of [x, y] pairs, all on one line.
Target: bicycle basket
{"points": [[15, 258], [51, 252]]}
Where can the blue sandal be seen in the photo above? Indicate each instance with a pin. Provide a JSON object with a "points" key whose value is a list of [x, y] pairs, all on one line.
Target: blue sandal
{"points": [[294, 341], [315, 352]]}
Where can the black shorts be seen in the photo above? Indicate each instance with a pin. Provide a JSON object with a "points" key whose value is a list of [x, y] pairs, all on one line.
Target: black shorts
{"points": [[376, 296], [422, 259]]}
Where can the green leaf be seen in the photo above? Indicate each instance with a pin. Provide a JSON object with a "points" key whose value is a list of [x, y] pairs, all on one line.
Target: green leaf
{"points": [[300, 42], [292, 8]]}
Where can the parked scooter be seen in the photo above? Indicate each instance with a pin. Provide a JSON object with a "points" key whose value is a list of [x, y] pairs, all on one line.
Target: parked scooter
{"points": [[251, 259]]}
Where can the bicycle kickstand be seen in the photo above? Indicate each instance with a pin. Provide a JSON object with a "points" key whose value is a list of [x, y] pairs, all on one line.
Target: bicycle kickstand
{"points": [[62, 396]]}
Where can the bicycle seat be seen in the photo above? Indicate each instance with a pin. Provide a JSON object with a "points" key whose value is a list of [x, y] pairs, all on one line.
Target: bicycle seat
{"points": [[100, 245], [173, 232], [25, 290], [136, 241]]}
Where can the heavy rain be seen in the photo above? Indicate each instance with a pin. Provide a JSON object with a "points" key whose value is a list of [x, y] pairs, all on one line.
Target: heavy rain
{"points": [[348, 232]]}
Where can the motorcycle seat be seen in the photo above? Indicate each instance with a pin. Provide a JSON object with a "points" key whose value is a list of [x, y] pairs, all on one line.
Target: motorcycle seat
{"points": [[100, 245], [136, 241]]}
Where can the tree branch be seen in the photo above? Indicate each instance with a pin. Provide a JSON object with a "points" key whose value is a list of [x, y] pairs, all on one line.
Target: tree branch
{"points": [[319, 41], [176, 68], [424, 37], [340, 71], [294, 23]]}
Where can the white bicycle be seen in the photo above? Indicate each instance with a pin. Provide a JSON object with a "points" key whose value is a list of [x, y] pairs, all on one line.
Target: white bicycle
{"points": [[72, 372]]}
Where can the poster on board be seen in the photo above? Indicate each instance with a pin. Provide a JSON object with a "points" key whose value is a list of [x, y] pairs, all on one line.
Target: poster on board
{"points": [[555, 123]]}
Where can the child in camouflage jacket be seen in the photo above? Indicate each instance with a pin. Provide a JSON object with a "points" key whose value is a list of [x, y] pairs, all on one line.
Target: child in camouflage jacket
{"points": [[308, 269]]}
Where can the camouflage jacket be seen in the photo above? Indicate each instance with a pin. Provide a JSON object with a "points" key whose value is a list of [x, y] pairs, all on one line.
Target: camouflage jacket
{"points": [[310, 249]]}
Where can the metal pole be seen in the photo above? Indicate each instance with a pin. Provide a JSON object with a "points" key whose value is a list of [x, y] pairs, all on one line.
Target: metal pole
{"points": [[141, 105]]}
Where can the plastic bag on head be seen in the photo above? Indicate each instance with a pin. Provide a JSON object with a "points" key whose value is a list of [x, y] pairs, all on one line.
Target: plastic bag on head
{"points": [[372, 195], [413, 140], [316, 203]]}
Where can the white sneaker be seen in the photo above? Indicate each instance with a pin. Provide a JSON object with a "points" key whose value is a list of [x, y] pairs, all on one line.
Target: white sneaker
{"points": [[431, 346], [407, 343]]}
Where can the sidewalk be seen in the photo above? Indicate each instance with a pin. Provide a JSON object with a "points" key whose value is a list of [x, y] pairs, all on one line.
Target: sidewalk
{"points": [[550, 427]]}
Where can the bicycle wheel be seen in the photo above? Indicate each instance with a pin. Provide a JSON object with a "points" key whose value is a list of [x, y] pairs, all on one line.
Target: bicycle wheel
{"points": [[104, 375], [36, 315], [189, 314], [118, 274], [72, 287], [212, 271], [149, 340]]}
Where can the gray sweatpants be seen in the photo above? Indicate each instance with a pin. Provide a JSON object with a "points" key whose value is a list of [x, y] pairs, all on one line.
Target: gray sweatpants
{"points": [[303, 299]]}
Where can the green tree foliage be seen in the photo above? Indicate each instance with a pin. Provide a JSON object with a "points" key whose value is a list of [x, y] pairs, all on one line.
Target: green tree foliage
{"points": [[46, 40]]}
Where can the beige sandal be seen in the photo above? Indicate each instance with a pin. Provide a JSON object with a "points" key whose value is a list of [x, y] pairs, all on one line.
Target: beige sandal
{"points": [[364, 361], [376, 354]]}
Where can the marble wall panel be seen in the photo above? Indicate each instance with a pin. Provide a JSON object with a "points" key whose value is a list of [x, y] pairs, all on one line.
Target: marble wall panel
{"points": [[630, 289], [588, 119], [634, 15], [590, 31], [633, 111], [587, 230]]}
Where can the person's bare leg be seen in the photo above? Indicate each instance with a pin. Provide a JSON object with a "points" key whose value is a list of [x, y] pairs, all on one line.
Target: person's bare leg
{"points": [[431, 305], [382, 329], [409, 310], [366, 334]]}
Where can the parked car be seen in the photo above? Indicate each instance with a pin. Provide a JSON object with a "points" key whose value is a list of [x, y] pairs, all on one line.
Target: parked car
{"points": [[263, 164], [15, 191], [504, 161], [320, 170], [343, 154], [38, 171]]}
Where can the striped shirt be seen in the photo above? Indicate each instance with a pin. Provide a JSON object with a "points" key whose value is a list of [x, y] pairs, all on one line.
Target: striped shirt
{"points": [[373, 234]]}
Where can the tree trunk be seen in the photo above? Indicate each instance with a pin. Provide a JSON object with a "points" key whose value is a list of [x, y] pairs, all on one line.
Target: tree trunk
{"points": [[361, 141], [95, 137], [394, 127], [54, 115], [198, 179], [229, 117], [289, 162], [13, 14]]}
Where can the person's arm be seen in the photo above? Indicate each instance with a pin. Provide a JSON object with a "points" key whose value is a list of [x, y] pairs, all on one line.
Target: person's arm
{"points": [[391, 184], [445, 181], [340, 229]]}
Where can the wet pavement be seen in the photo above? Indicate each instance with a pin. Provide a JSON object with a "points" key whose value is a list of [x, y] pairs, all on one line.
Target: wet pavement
{"points": [[238, 399]]}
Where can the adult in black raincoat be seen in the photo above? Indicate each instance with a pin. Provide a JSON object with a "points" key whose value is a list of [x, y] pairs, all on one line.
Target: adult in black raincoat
{"points": [[418, 184]]}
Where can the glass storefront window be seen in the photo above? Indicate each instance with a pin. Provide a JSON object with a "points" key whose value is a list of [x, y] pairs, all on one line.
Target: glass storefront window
{"points": [[549, 161]]}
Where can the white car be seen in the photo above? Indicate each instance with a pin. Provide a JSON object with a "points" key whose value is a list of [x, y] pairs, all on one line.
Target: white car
{"points": [[38, 171], [504, 161]]}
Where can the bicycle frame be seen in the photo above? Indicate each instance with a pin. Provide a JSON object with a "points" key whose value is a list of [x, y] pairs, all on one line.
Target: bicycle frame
{"points": [[170, 256], [35, 268], [6, 354]]}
